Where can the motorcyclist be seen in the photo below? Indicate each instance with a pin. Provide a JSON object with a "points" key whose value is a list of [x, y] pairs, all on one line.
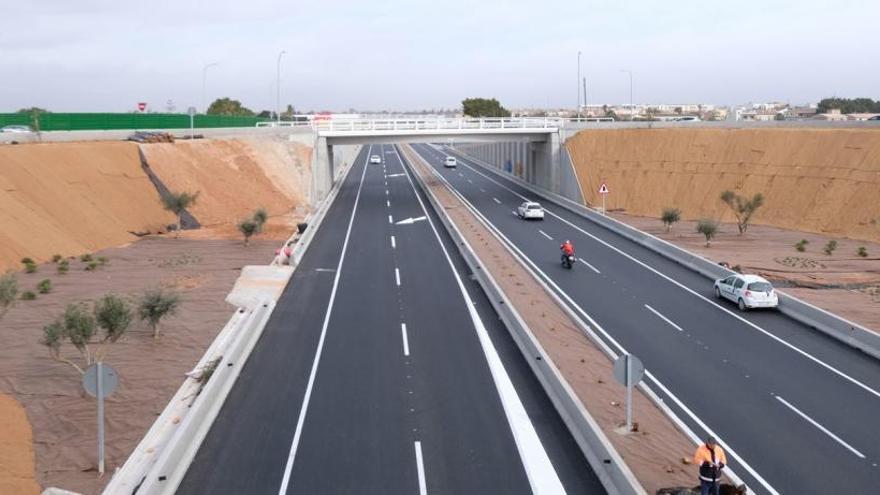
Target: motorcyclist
{"points": [[567, 248]]}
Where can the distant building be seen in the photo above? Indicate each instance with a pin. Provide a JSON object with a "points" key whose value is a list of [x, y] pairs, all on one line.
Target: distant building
{"points": [[861, 116], [832, 115]]}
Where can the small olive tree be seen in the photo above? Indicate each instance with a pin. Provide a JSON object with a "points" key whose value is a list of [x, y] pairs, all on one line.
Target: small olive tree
{"points": [[177, 203], [248, 227], [90, 333], [708, 227], [670, 216], [8, 291], [155, 305], [742, 207]]}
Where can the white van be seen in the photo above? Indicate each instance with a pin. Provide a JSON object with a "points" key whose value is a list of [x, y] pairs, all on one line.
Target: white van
{"points": [[450, 162]]}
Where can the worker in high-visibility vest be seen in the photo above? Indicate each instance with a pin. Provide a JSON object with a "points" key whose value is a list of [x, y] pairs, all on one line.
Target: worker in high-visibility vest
{"points": [[711, 460]]}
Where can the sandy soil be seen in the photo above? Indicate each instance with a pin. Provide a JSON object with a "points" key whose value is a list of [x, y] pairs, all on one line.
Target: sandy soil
{"points": [[62, 417], [815, 180], [73, 198], [234, 177], [843, 283], [654, 453], [17, 474]]}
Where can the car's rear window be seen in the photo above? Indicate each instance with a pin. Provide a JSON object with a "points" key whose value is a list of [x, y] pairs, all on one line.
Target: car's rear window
{"points": [[760, 287], [534, 207]]}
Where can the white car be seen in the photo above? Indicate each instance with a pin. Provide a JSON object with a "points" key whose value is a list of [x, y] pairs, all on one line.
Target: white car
{"points": [[375, 159], [530, 209], [16, 129], [450, 162], [747, 291]]}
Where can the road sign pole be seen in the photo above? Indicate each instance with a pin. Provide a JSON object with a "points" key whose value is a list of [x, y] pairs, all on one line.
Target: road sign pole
{"points": [[629, 394], [100, 418], [603, 203]]}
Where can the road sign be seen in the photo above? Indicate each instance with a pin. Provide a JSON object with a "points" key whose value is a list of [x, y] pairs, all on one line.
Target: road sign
{"points": [[191, 111], [100, 381], [142, 106], [628, 370], [603, 189]]}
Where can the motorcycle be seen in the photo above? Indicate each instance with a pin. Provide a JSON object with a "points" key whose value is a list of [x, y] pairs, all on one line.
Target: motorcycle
{"points": [[568, 260]]}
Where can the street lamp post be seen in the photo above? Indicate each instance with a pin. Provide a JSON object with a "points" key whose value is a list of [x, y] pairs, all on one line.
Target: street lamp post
{"points": [[578, 85], [204, 84], [278, 94], [632, 110]]}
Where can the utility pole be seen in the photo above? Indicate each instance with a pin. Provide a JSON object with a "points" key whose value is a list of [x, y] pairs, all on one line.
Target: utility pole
{"points": [[632, 111], [579, 80], [278, 95], [205, 84], [586, 104]]}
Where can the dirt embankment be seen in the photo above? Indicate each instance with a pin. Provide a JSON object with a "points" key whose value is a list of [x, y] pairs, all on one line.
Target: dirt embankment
{"points": [[814, 180], [235, 176], [73, 198]]}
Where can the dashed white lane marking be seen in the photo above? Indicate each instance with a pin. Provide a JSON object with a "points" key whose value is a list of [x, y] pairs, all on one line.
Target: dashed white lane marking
{"points": [[667, 320], [470, 181], [386, 192], [405, 339], [420, 465], [393, 243], [496, 200], [591, 267], [820, 427], [460, 174], [396, 175], [397, 276], [390, 219], [545, 235], [331, 270], [388, 203], [482, 190]]}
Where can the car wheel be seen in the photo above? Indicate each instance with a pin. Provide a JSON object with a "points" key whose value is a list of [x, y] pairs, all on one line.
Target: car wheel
{"points": [[742, 305], [717, 293]]}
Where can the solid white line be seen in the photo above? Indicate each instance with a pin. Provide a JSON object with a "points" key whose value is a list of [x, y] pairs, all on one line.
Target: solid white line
{"points": [[420, 466], [591, 267], [667, 320], [390, 220], [540, 471], [397, 276], [621, 350], [308, 395], [698, 295], [496, 200], [405, 339], [822, 428], [545, 235], [393, 243]]}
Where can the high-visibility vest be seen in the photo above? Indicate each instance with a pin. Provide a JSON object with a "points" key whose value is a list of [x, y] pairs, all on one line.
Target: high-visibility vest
{"points": [[703, 455]]}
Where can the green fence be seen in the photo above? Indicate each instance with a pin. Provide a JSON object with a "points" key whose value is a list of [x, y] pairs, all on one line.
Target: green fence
{"points": [[104, 121]]}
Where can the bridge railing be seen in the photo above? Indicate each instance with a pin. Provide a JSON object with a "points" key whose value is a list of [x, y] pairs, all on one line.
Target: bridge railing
{"points": [[422, 124]]}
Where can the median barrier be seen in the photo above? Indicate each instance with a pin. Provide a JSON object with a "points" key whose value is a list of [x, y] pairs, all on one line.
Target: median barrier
{"points": [[834, 326], [612, 471]]}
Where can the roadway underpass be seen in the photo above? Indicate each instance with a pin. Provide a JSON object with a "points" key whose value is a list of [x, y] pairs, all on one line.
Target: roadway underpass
{"points": [[794, 408], [377, 372]]}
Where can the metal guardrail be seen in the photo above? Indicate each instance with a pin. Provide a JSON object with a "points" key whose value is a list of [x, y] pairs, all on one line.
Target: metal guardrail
{"points": [[428, 124]]}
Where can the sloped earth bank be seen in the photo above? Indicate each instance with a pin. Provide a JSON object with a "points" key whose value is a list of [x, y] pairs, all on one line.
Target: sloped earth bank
{"points": [[654, 453], [814, 180], [16, 450], [843, 283], [63, 418], [235, 176]]}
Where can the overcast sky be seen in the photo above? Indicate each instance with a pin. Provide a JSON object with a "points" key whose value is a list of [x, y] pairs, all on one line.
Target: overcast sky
{"points": [[107, 55]]}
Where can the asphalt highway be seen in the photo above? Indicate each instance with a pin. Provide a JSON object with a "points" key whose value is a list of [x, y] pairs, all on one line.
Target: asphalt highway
{"points": [[796, 410], [384, 370]]}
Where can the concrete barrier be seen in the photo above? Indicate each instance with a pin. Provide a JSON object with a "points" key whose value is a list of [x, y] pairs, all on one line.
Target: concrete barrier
{"points": [[612, 471], [841, 329]]}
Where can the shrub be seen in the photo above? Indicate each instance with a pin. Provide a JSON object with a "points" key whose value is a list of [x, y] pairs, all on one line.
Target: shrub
{"points": [[248, 227], [91, 266], [30, 267], [177, 203], [86, 258], [45, 286], [56, 258], [261, 216], [82, 328], [862, 252], [670, 216], [155, 305], [103, 260], [63, 267], [27, 261], [113, 315], [743, 208], [28, 295], [8, 291], [801, 245], [709, 228], [830, 247]]}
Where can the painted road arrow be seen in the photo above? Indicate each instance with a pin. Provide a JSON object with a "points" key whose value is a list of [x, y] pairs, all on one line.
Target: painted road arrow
{"points": [[411, 220]]}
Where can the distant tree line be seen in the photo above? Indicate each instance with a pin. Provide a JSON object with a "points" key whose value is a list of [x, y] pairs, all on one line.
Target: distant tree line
{"points": [[847, 105], [483, 107]]}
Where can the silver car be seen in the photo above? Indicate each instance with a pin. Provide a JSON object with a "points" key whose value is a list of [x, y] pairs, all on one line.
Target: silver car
{"points": [[530, 210], [747, 291], [16, 129]]}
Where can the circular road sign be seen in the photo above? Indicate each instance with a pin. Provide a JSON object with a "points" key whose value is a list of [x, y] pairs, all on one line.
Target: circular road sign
{"points": [[90, 380], [620, 365]]}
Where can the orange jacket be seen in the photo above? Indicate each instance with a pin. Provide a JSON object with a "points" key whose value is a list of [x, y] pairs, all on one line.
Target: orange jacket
{"points": [[703, 459], [567, 248]]}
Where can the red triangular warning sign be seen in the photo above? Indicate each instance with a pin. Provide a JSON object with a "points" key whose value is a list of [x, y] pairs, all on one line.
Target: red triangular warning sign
{"points": [[603, 189]]}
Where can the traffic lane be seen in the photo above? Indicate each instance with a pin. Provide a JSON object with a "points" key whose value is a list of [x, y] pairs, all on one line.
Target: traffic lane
{"points": [[621, 296], [837, 354], [467, 441], [246, 447], [573, 469], [353, 438]]}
